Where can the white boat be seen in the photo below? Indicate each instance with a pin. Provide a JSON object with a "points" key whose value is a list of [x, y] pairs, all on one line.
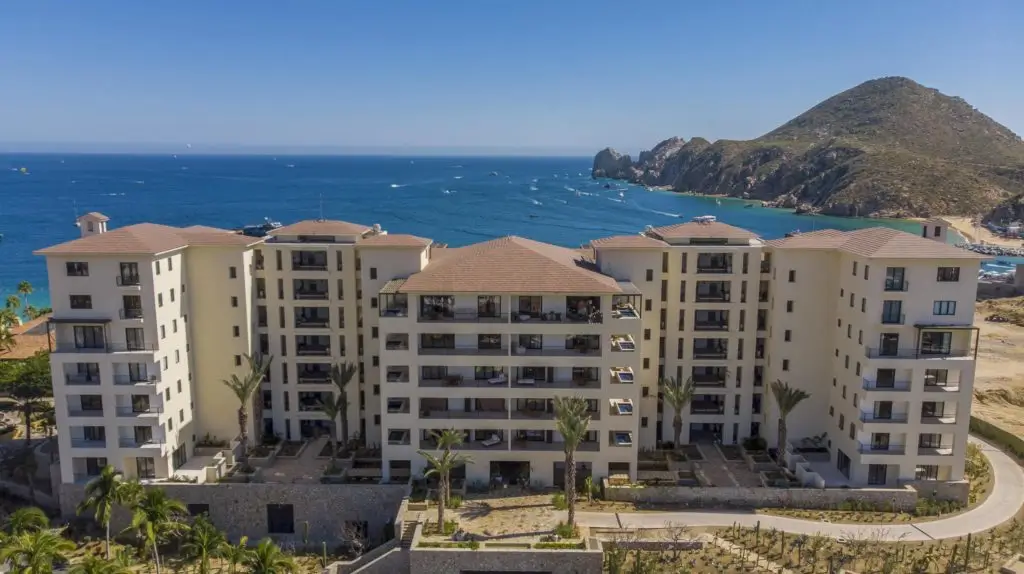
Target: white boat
{"points": [[622, 194], [705, 219]]}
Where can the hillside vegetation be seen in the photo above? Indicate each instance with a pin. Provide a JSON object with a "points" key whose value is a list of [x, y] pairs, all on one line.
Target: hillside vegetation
{"points": [[888, 147]]}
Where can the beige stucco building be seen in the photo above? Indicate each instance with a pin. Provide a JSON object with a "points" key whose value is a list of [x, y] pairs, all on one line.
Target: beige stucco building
{"points": [[874, 324]]}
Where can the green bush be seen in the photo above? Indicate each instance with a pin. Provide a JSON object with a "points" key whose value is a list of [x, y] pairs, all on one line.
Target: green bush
{"points": [[455, 502], [754, 443], [559, 546], [566, 531], [559, 501], [929, 507], [450, 526]]}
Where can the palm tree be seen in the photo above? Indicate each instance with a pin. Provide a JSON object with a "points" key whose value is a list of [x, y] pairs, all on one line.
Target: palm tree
{"points": [[787, 398], [101, 494], [677, 394], [445, 441], [441, 465], [97, 565], [31, 385], [244, 389], [341, 376], [13, 303], [24, 290], [155, 516], [35, 552], [267, 558], [234, 554], [572, 421], [333, 408], [25, 520], [204, 542]]}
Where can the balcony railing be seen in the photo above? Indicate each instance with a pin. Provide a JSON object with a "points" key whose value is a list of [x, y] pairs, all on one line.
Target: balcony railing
{"points": [[710, 354], [941, 450], [707, 408], [140, 379], [312, 294], [88, 443], [130, 313], [451, 316], [534, 414], [709, 380], [128, 280], [893, 318], [82, 379], [538, 445], [947, 388], [557, 352], [714, 297], [492, 352], [890, 353], [396, 345], [711, 326], [309, 266], [938, 419], [131, 411], [73, 412], [308, 322], [714, 268], [895, 285], [127, 442], [312, 350], [882, 449], [876, 385], [449, 414], [313, 377], [879, 418]]}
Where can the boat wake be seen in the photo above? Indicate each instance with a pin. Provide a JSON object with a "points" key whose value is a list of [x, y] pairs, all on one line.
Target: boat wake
{"points": [[665, 213], [458, 177], [617, 200], [534, 201], [533, 188], [395, 186]]}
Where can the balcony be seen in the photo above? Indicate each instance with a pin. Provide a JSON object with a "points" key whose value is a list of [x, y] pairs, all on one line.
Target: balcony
{"points": [[88, 443], [311, 294], [450, 414], [707, 408], [893, 318], [71, 347], [128, 280], [713, 296], [881, 449], [397, 375], [538, 414], [938, 419], [714, 263], [895, 353], [82, 379], [134, 380], [313, 377], [397, 343], [896, 285], [311, 321], [461, 316], [941, 450], [539, 445], [138, 411], [704, 381], [623, 343], [466, 351], [946, 388], [128, 442], [711, 326], [460, 381], [130, 313], [897, 418], [311, 350], [309, 261], [80, 412], [710, 353], [885, 385], [622, 375]]}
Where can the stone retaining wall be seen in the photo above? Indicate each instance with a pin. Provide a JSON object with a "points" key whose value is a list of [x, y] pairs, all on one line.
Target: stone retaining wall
{"points": [[241, 509], [741, 497], [959, 491], [446, 560]]}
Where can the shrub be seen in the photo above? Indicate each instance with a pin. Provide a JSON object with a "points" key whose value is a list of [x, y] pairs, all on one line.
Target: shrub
{"points": [[559, 546], [754, 443], [450, 526], [566, 531], [455, 501], [473, 545], [559, 501]]}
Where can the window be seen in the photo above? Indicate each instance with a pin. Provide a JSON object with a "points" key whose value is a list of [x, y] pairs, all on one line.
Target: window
{"points": [[842, 421], [376, 361], [849, 331], [789, 306], [238, 360], [853, 431], [373, 332], [81, 301], [234, 301], [235, 331], [785, 364], [650, 274], [647, 334], [163, 332], [852, 296], [159, 299], [373, 272], [643, 422], [844, 391], [944, 308], [181, 415], [947, 274], [280, 519], [77, 269], [145, 467], [866, 267], [172, 295], [232, 272], [647, 305], [792, 276], [177, 356], [376, 389], [664, 290], [831, 411], [788, 335], [373, 302], [179, 385], [157, 267], [647, 363], [854, 268], [863, 304]]}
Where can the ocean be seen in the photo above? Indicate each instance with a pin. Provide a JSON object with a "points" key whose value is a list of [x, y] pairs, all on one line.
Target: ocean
{"points": [[449, 199]]}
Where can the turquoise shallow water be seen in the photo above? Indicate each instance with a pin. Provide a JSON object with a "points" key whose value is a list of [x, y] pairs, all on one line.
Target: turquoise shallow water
{"points": [[452, 200]]}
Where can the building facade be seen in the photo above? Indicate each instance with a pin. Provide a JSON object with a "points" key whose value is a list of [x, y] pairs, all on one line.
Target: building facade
{"points": [[876, 325]]}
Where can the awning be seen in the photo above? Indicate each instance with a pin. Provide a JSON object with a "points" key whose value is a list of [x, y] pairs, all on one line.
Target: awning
{"points": [[392, 287]]}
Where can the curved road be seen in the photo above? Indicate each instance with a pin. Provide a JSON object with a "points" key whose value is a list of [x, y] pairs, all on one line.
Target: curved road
{"points": [[1002, 504]]}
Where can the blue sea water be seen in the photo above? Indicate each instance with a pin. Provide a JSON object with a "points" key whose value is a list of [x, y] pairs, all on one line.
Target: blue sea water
{"points": [[450, 199]]}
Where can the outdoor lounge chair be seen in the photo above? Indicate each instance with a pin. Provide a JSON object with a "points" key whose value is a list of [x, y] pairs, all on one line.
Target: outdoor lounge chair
{"points": [[493, 440]]}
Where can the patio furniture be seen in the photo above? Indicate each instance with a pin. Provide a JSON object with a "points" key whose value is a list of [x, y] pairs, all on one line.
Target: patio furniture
{"points": [[491, 441]]}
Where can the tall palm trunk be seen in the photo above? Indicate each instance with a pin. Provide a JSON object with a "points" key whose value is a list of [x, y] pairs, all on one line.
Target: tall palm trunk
{"points": [[243, 433], [334, 441], [677, 428], [27, 413], [570, 484], [107, 541], [156, 557], [344, 415], [441, 488], [782, 441]]}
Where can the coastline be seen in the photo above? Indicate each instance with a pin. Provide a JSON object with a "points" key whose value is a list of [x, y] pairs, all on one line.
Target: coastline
{"points": [[978, 234]]}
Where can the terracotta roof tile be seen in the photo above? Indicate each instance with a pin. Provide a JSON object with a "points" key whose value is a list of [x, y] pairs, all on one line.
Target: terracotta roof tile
{"points": [[96, 216], [146, 239], [394, 240], [29, 338], [712, 230], [321, 227], [876, 243], [627, 242], [511, 265]]}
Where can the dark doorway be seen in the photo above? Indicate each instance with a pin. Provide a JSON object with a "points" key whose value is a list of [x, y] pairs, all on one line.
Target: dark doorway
{"points": [[510, 472], [583, 470]]}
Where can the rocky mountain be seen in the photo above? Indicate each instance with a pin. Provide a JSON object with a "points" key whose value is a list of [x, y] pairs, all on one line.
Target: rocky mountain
{"points": [[888, 147]]}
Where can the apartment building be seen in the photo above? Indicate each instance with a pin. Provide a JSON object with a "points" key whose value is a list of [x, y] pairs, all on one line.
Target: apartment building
{"points": [[131, 309], [877, 325], [874, 324]]}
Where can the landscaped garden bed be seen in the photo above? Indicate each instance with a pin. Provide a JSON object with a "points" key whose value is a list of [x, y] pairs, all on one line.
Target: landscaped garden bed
{"points": [[730, 452], [292, 449]]}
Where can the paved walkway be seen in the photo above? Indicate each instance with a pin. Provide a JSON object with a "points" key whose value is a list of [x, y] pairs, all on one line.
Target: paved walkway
{"points": [[1002, 504]]}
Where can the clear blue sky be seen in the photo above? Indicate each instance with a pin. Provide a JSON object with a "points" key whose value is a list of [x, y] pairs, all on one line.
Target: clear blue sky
{"points": [[528, 74]]}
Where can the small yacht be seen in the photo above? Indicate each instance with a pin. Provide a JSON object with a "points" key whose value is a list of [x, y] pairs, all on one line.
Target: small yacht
{"points": [[705, 219], [793, 233], [260, 229]]}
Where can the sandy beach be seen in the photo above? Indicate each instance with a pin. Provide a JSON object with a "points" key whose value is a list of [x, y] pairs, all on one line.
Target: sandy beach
{"points": [[979, 234]]}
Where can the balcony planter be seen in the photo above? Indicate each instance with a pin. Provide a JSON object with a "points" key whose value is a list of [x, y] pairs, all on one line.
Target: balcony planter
{"points": [[292, 449], [263, 456]]}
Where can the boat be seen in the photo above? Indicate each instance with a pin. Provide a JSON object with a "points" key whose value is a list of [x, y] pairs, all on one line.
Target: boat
{"points": [[622, 194], [607, 186], [718, 202], [748, 206], [534, 216], [793, 233], [705, 219], [493, 173], [260, 229]]}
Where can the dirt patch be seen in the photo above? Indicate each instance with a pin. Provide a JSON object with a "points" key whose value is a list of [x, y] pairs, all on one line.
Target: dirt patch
{"points": [[999, 378]]}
